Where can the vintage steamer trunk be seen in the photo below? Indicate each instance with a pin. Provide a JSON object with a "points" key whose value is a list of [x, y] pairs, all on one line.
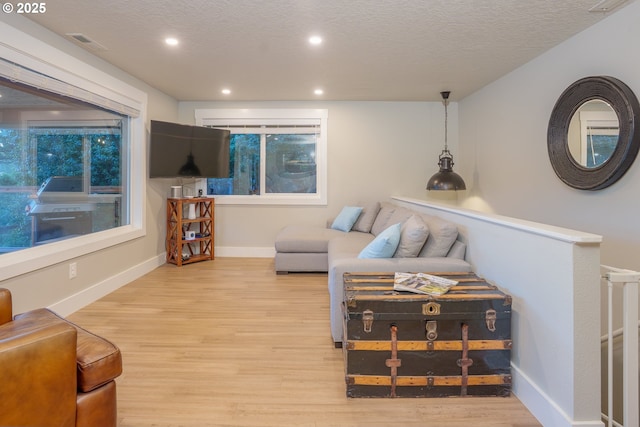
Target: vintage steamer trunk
{"points": [[401, 344]]}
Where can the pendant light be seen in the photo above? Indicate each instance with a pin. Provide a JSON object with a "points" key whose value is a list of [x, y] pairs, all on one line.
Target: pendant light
{"points": [[446, 179], [189, 168]]}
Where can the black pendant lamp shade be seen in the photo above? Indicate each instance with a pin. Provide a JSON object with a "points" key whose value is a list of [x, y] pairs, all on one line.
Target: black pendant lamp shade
{"points": [[446, 179], [189, 168]]}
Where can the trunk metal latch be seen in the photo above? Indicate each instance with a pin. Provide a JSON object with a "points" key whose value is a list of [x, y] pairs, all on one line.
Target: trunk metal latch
{"points": [[367, 320], [432, 330], [490, 317]]}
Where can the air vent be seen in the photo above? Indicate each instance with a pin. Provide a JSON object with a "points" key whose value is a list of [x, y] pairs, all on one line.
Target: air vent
{"points": [[85, 41], [605, 6]]}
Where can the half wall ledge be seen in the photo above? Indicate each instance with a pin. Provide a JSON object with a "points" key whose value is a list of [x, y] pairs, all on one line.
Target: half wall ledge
{"points": [[551, 231], [553, 275]]}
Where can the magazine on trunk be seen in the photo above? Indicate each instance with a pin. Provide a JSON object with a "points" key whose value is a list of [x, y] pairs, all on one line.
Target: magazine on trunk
{"points": [[422, 283]]}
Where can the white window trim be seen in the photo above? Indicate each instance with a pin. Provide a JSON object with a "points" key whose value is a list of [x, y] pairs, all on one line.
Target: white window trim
{"points": [[206, 117], [36, 55], [597, 123]]}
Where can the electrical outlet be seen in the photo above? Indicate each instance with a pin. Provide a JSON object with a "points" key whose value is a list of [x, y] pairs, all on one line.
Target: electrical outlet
{"points": [[73, 270]]}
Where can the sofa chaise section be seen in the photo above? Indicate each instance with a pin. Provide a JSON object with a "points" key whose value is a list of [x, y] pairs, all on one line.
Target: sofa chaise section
{"points": [[302, 248]]}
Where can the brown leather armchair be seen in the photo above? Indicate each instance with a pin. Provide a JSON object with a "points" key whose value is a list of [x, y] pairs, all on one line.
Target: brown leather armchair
{"points": [[54, 373]]}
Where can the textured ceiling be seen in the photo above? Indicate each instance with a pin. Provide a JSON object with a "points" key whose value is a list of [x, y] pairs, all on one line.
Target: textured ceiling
{"points": [[395, 50]]}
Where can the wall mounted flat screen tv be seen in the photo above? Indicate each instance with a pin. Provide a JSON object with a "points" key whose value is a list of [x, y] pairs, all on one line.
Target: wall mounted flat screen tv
{"points": [[177, 150]]}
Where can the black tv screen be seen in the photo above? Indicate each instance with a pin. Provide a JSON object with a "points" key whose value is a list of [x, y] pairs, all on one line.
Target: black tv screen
{"points": [[177, 150]]}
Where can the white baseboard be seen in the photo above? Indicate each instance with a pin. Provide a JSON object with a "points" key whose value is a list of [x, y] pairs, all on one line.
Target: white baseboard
{"points": [[541, 405], [75, 302], [85, 297], [245, 252]]}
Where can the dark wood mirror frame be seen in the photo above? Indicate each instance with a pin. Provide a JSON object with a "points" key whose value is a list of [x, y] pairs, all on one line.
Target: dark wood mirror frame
{"points": [[624, 103]]}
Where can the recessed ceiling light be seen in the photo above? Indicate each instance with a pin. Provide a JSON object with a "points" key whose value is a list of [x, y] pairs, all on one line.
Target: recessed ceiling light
{"points": [[226, 91], [318, 91], [315, 40], [171, 41]]}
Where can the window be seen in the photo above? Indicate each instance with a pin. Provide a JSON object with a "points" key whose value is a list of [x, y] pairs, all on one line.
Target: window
{"points": [[90, 150], [67, 146], [277, 156], [593, 133], [599, 132], [59, 178]]}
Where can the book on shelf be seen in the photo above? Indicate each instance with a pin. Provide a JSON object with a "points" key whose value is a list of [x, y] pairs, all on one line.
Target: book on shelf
{"points": [[422, 283]]}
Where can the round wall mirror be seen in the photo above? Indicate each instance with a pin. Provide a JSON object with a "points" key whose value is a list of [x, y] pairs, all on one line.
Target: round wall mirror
{"points": [[593, 135]]}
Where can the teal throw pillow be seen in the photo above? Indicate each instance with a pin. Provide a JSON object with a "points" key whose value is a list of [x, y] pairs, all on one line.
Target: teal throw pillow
{"points": [[347, 217], [384, 245]]}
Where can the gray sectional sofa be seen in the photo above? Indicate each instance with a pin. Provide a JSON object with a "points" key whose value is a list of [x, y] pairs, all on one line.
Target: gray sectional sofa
{"points": [[319, 249]]}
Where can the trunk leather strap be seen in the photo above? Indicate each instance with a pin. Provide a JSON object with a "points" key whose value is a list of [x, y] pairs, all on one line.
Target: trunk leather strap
{"points": [[394, 363], [465, 362]]}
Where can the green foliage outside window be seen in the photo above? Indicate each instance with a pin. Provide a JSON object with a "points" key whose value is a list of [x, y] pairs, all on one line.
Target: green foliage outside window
{"points": [[58, 154], [244, 167], [29, 157], [15, 226], [105, 160], [290, 165]]}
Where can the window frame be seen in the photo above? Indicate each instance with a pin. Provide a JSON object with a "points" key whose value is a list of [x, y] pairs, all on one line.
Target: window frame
{"points": [[32, 124], [40, 57], [284, 117], [596, 123]]}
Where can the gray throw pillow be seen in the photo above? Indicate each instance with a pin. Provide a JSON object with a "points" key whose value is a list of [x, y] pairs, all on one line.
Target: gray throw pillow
{"points": [[367, 217], [382, 219], [442, 235], [413, 234], [400, 214]]}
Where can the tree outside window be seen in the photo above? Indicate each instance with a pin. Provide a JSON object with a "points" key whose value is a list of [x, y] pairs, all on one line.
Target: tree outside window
{"points": [[84, 142], [277, 156]]}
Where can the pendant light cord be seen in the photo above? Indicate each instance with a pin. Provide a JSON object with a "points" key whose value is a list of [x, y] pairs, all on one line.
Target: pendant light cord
{"points": [[446, 127], [445, 101]]}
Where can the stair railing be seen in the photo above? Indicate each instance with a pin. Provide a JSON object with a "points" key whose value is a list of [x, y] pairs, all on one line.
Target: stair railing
{"points": [[628, 280]]}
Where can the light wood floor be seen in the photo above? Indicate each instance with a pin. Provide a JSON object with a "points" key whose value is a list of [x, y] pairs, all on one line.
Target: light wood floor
{"points": [[230, 343]]}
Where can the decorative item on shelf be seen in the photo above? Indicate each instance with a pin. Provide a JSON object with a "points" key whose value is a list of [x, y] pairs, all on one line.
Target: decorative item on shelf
{"points": [[446, 178], [176, 191], [192, 211]]}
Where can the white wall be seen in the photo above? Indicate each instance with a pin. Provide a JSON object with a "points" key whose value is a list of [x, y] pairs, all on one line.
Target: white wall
{"points": [[380, 149], [105, 269], [375, 150], [552, 275], [503, 140]]}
